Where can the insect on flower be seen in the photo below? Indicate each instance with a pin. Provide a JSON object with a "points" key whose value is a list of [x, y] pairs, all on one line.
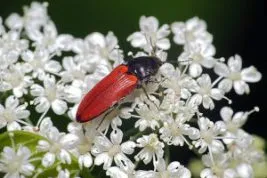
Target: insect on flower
{"points": [[118, 84]]}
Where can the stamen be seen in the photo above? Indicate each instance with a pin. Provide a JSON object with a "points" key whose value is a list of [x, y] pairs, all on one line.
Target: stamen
{"points": [[41, 118], [233, 138], [211, 156], [25, 123], [229, 100], [222, 59], [189, 144], [216, 81], [136, 116], [185, 69], [130, 53], [255, 109]]}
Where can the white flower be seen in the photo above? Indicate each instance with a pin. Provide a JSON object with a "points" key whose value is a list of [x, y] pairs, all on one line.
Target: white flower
{"points": [[14, 21], [73, 70], [57, 146], [49, 39], [17, 80], [173, 131], [51, 94], [12, 114], [148, 117], [16, 163], [40, 64], [209, 133], [106, 150], [193, 30], [205, 92], [243, 150], [105, 47], [85, 142], [245, 170], [173, 170], [150, 36], [152, 148], [35, 15], [12, 46], [63, 174], [95, 50], [177, 83], [219, 167], [235, 76], [197, 55], [40, 29], [233, 122], [124, 171]]}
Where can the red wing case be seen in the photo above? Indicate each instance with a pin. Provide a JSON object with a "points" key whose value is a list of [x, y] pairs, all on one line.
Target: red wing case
{"points": [[106, 93]]}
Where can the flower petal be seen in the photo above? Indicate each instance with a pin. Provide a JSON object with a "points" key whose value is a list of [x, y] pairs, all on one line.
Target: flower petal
{"points": [[250, 74], [59, 106], [195, 69], [128, 147], [48, 159], [116, 136]]}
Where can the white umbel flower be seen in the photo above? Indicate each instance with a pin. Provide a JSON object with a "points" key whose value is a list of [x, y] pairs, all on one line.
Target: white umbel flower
{"points": [[193, 30], [235, 76], [12, 113], [148, 117], [151, 35], [51, 95], [57, 145], [17, 80], [16, 163], [217, 168], [86, 137], [209, 133], [152, 148], [105, 47], [63, 174], [174, 132], [206, 92], [39, 63], [73, 70], [197, 55], [173, 170], [106, 150]]}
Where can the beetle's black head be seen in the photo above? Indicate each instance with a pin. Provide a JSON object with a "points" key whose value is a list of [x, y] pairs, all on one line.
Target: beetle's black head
{"points": [[144, 67]]}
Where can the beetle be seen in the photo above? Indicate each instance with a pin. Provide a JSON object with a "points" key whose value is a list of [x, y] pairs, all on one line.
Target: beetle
{"points": [[117, 85]]}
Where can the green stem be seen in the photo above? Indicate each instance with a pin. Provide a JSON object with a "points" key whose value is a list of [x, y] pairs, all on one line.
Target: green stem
{"points": [[167, 154]]}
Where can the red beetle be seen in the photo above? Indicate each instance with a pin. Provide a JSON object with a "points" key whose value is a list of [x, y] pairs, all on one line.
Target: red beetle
{"points": [[115, 86]]}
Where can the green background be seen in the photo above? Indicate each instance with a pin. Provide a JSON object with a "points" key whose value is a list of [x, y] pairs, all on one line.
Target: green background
{"points": [[238, 26]]}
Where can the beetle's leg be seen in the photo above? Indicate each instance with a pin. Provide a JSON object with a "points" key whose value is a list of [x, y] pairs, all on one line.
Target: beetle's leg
{"points": [[102, 119], [148, 96], [106, 114]]}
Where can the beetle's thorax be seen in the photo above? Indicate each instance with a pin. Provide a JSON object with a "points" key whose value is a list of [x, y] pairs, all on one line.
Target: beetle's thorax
{"points": [[144, 67]]}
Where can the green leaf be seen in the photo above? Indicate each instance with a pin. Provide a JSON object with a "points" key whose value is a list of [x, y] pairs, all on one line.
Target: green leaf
{"points": [[30, 139]]}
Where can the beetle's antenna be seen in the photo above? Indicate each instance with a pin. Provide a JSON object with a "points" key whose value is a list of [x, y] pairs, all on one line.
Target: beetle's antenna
{"points": [[186, 61], [154, 48]]}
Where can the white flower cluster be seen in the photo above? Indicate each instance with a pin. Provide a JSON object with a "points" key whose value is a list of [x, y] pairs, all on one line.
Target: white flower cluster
{"points": [[51, 72]]}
